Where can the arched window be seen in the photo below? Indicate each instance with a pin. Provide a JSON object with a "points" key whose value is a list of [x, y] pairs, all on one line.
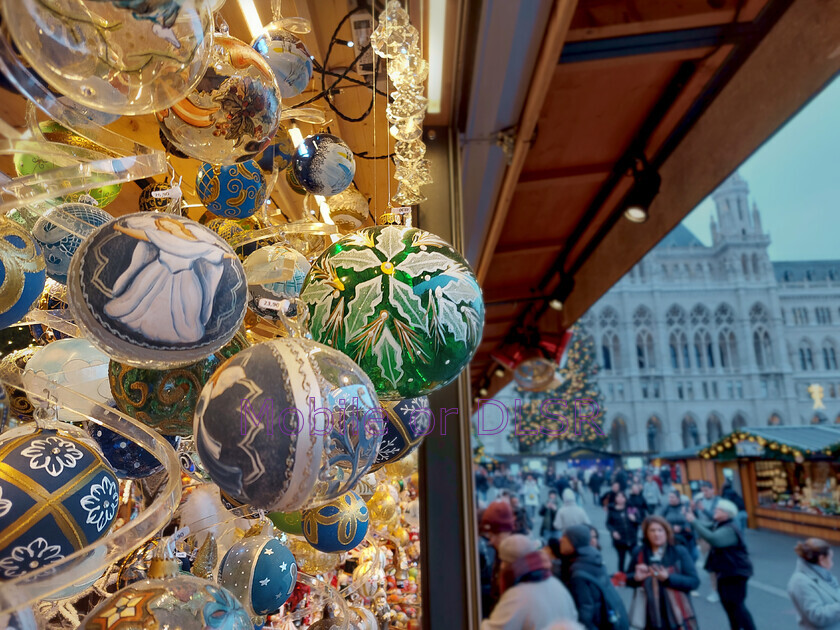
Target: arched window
{"points": [[738, 422], [704, 356], [728, 349], [806, 356], [619, 436], [763, 347], [829, 355], [745, 264], [675, 316], [714, 428], [611, 352], [774, 420], [690, 432], [645, 350], [755, 264], [642, 317], [608, 318], [759, 314], [673, 352], [654, 434], [724, 316]]}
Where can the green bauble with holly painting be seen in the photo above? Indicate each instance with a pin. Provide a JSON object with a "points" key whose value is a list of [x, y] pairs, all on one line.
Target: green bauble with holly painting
{"points": [[400, 302]]}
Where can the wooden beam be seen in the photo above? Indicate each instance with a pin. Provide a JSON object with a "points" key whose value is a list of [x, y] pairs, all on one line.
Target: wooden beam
{"points": [[558, 27], [531, 247], [570, 175]]}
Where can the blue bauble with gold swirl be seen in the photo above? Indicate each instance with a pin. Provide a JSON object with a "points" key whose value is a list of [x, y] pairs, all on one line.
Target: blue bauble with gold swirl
{"points": [[233, 191], [22, 272], [57, 495], [339, 525]]}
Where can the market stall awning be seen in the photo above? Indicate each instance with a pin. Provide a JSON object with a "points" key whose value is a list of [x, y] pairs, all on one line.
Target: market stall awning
{"points": [[783, 442], [692, 452]]}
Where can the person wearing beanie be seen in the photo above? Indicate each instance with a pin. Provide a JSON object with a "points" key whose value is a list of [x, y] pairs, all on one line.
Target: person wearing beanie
{"points": [[571, 513], [531, 598], [496, 524], [813, 589], [730, 560], [598, 603]]}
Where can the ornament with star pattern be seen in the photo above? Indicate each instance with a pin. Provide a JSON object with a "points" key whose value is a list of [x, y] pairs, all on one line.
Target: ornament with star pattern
{"points": [[260, 571], [400, 302], [57, 495]]}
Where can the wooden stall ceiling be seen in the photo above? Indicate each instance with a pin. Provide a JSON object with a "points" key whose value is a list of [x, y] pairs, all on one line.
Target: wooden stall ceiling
{"points": [[370, 136], [595, 107]]}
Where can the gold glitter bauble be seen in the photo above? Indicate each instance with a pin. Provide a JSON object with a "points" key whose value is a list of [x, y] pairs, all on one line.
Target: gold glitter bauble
{"points": [[400, 469], [382, 507], [11, 364]]}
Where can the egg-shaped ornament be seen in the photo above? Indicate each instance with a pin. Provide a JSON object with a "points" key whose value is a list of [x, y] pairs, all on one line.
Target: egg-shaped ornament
{"points": [[59, 244], [275, 273], [339, 525], [165, 400], [263, 419], [401, 302], [232, 191], [169, 599], [127, 459], [157, 290], [125, 57], [61, 488], [407, 422], [75, 364], [32, 164], [260, 571], [22, 272], [288, 57], [234, 110], [159, 197], [349, 209], [324, 164], [278, 156], [12, 365]]}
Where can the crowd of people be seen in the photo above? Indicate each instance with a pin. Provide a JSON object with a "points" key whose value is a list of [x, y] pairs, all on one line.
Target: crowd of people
{"points": [[542, 564]]}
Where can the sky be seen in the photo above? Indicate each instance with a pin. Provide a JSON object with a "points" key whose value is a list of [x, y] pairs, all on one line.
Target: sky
{"points": [[795, 180]]}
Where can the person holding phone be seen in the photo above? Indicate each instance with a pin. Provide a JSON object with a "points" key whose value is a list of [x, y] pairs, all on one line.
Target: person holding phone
{"points": [[662, 574]]}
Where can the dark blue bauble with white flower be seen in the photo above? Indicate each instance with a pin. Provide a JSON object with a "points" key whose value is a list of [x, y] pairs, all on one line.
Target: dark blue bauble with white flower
{"points": [[323, 164], [59, 244], [233, 191], [339, 525], [128, 459], [57, 495], [261, 572], [406, 424]]}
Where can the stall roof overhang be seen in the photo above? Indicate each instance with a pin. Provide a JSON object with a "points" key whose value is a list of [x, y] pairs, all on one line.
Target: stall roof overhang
{"points": [[692, 452], [780, 442], [695, 86]]}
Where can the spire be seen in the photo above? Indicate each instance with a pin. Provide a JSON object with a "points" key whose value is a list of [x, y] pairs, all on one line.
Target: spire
{"points": [[732, 205]]}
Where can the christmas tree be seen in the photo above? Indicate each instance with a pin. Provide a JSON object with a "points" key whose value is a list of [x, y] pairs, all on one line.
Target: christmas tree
{"points": [[572, 411]]}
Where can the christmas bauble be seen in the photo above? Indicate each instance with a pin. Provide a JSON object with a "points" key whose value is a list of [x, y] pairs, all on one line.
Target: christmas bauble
{"points": [[22, 272], [233, 191], [398, 470], [53, 298], [382, 507], [278, 155], [149, 203], [366, 619], [367, 579], [77, 365], [184, 602], [63, 491], [349, 209], [233, 229], [165, 399], [536, 374], [127, 459], [13, 363], [234, 110], [157, 290], [288, 57], [263, 418], [125, 57], [401, 302], [340, 525], [324, 164], [310, 560], [30, 164], [274, 273], [289, 522], [292, 181], [58, 244], [406, 424], [261, 572], [19, 620], [333, 623]]}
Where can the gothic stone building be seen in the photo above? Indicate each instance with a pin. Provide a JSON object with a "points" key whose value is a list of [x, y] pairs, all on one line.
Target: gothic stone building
{"points": [[696, 341]]}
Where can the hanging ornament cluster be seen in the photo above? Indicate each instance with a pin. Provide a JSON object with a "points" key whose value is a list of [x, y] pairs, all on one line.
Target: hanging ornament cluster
{"points": [[398, 41]]}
